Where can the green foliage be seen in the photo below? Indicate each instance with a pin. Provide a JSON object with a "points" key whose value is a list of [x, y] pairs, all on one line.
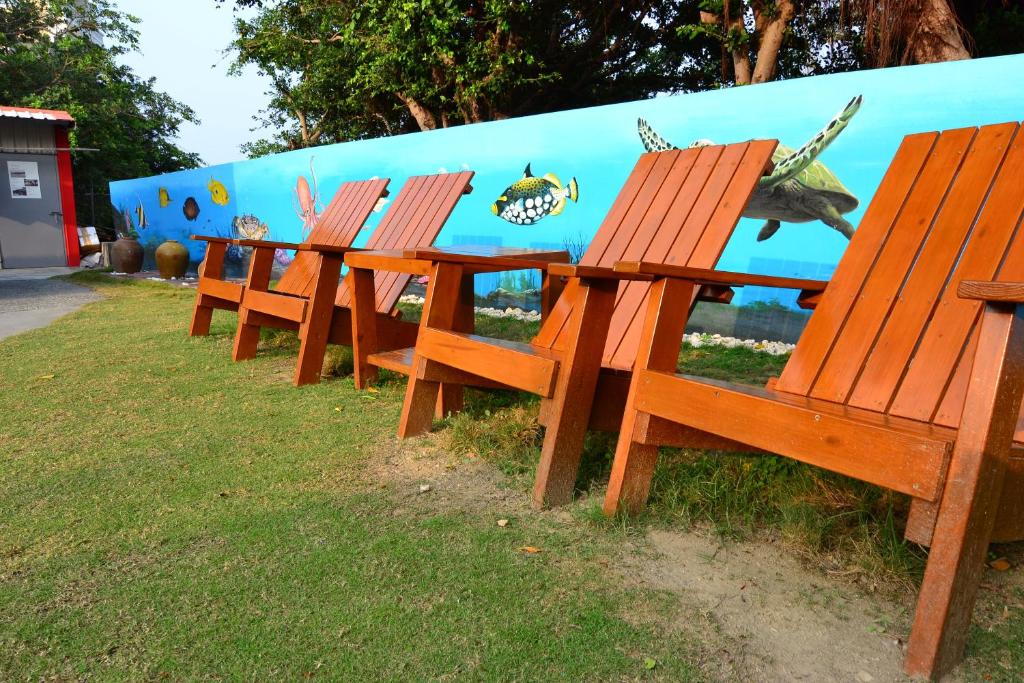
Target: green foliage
{"points": [[61, 54], [347, 70]]}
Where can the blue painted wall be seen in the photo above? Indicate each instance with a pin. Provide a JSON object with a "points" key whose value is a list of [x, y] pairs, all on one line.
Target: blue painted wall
{"points": [[598, 146]]}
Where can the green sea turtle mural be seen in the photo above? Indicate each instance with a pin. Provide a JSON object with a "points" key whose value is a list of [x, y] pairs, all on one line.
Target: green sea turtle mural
{"points": [[800, 189]]}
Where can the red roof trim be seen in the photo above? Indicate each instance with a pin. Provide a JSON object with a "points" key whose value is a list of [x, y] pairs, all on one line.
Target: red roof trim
{"points": [[37, 114]]}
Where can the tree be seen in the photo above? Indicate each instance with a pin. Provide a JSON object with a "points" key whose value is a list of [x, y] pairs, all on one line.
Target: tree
{"points": [[52, 56], [343, 69]]}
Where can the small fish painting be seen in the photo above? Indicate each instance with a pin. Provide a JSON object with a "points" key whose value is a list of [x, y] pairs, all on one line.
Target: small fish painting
{"points": [[190, 209], [140, 216], [530, 198], [218, 193], [164, 197]]}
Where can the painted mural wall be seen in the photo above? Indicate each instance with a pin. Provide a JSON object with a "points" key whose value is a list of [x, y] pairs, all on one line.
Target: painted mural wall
{"points": [[841, 130]]}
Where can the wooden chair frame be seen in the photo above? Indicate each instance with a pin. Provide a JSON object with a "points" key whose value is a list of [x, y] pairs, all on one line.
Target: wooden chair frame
{"points": [[900, 286], [678, 205], [340, 223], [324, 315]]}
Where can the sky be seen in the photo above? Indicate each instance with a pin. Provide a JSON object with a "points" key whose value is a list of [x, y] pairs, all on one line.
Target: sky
{"points": [[181, 44]]}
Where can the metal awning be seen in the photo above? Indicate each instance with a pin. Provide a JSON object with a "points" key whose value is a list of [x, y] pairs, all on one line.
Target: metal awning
{"points": [[54, 115]]}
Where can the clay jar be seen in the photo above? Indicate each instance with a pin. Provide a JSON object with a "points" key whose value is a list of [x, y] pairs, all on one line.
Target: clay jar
{"points": [[172, 259], [126, 255]]}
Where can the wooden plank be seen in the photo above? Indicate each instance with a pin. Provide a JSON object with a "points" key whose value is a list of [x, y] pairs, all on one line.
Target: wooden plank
{"points": [[364, 325], [398, 360], [221, 289], [438, 312], [902, 455], [844, 288], [700, 238], [971, 497], [277, 305], [706, 276], [987, 253], [315, 315], [878, 294], [573, 395], [425, 232], [512, 364], [247, 334], [339, 225], [924, 286], [210, 270], [664, 322], [629, 207], [1008, 292], [376, 261]]}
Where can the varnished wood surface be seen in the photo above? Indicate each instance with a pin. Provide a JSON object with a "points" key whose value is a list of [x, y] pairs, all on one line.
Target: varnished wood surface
{"points": [[1009, 292]]}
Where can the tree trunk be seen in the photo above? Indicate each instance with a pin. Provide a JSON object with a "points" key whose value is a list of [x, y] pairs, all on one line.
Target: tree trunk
{"points": [[424, 118], [936, 36], [771, 40]]}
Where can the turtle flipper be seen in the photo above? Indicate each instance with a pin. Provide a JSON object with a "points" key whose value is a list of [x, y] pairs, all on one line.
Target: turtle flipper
{"points": [[795, 163], [769, 228], [652, 141], [834, 219]]}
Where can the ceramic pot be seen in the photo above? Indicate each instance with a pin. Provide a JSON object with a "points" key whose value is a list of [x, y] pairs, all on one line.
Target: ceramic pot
{"points": [[172, 259], [126, 255]]}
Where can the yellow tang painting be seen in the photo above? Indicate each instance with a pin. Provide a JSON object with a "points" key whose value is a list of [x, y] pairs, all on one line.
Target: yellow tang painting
{"points": [[218, 193]]}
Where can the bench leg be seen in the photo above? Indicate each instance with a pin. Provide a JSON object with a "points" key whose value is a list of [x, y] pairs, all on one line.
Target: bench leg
{"points": [[247, 336], [211, 267], [364, 326], [316, 327], [202, 316], [668, 305], [422, 399], [970, 497], [570, 405]]}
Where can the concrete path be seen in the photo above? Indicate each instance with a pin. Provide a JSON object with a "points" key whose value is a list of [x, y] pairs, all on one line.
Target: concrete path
{"points": [[29, 299]]}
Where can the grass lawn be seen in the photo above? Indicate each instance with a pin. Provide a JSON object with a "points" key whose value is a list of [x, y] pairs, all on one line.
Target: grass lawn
{"points": [[165, 513]]}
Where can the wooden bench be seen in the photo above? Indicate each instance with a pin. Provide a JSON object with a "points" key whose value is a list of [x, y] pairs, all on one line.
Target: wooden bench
{"points": [[678, 207], [908, 375], [313, 302]]}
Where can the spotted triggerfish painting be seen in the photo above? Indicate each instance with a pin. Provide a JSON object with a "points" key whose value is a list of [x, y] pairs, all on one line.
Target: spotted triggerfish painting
{"points": [[530, 198], [800, 189], [797, 223]]}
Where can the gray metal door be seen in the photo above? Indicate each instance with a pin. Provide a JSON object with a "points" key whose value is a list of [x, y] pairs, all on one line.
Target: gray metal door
{"points": [[31, 228]]}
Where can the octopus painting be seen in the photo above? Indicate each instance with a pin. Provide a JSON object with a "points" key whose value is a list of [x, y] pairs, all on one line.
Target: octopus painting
{"points": [[308, 206]]}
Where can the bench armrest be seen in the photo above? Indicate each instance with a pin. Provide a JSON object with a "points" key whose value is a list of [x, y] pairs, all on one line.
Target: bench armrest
{"points": [[595, 272], [705, 276], [211, 238], [993, 292]]}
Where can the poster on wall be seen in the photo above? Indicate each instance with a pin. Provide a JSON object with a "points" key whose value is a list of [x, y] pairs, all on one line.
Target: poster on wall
{"points": [[24, 178]]}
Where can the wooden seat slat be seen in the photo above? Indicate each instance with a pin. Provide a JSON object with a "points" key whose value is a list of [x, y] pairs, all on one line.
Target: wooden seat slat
{"points": [[929, 280], [845, 285]]}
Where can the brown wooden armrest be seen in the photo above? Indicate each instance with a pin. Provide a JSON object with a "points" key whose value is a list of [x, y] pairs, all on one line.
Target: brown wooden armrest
{"points": [[1006, 292], [210, 238], [595, 272], [328, 248], [267, 244], [491, 263], [720, 277]]}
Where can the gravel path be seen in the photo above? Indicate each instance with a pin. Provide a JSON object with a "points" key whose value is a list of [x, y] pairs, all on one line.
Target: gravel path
{"points": [[29, 299]]}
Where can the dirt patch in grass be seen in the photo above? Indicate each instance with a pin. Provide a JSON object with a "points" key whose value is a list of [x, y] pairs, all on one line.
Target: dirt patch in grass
{"points": [[780, 621], [424, 477]]}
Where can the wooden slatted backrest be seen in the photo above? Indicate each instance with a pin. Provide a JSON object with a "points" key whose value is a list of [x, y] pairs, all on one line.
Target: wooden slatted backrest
{"points": [[413, 220], [890, 334], [337, 226], [678, 207]]}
